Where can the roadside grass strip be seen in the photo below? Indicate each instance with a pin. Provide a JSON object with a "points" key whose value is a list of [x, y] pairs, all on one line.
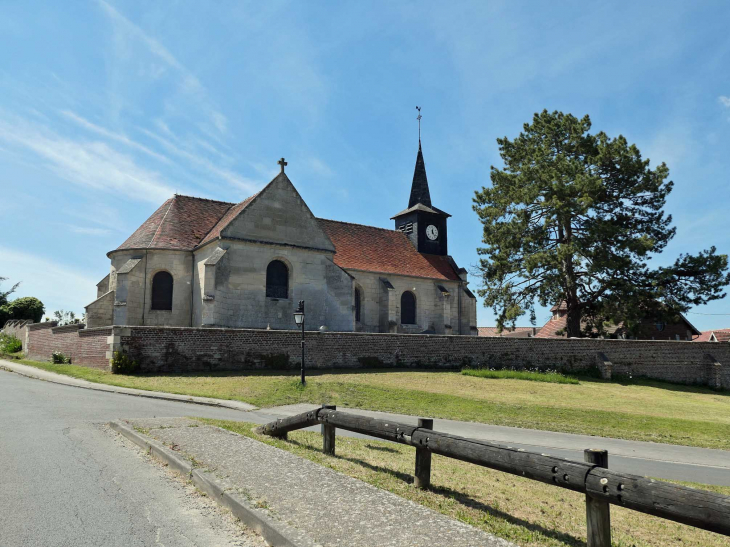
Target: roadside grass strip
{"points": [[641, 410], [526, 512]]}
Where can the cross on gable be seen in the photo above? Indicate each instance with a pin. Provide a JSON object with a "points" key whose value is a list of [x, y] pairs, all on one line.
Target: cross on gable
{"points": [[282, 163]]}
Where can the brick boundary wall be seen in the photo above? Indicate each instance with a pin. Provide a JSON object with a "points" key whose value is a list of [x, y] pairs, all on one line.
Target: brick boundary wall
{"points": [[180, 349], [87, 347]]}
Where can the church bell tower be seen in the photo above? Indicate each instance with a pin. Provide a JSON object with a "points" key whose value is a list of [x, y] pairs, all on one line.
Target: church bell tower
{"points": [[424, 224]]}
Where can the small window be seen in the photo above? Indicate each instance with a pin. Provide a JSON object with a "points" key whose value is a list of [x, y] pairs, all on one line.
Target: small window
{"points": [[358, 304], [162, 291], [408, 308], [277, 280]]}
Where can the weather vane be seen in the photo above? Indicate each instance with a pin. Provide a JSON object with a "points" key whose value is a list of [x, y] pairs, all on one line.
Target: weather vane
{"points": [[419, 122]]}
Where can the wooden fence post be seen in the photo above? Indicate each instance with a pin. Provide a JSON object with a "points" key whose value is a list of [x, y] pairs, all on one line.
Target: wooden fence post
{"points": [[422, 477], [598, 513], [328, 434]]}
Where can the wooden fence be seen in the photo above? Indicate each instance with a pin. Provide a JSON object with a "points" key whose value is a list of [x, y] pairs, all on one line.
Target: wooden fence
{"points": [[602, 486]]}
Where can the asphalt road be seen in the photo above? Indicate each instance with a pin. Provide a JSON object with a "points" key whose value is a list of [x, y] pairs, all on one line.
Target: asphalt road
{"points": [[66, 480]]}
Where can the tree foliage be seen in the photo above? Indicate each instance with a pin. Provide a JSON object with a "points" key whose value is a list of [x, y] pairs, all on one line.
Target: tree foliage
{"points": [[27, 307], [4, 294], [576, 217]]}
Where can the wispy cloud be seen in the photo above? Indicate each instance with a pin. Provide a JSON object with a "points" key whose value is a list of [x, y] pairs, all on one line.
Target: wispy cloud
{"points": [[39, 277], [111, 135], [91, 164], [318, 167], [232, 178], [189, 83], [88, 231], [724, 101]]}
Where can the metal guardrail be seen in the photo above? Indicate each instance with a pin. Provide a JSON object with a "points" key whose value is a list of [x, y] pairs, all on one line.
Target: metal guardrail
{"points": [[603, 487]]}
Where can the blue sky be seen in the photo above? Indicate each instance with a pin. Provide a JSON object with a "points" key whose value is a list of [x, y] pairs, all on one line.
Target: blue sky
{"points": [[108, 108]]}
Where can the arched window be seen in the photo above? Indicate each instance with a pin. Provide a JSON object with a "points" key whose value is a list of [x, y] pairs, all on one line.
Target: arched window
{"points": [[408, 308], [358, 303], [277, 280], [162, 291]]}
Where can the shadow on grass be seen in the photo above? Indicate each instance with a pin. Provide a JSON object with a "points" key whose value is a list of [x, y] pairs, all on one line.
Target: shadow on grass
{"points": [[382, 449], [658, 384], [460, 497]]}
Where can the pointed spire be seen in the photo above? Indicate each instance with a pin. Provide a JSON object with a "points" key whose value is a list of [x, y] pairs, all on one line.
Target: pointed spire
{"points": [[419, 188]]}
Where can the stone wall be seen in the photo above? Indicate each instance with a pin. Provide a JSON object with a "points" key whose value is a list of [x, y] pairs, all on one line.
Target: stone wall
{"points": [[232, 292], [16, 327], [185, 349], [193, 349], [86, 347]]}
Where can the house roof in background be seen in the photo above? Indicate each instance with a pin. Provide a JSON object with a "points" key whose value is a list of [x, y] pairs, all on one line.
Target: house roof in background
{"points": [[492, 331], [715, 335]]}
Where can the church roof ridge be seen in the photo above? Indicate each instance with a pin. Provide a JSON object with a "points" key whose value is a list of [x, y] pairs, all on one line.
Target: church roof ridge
{"points": [[202, 199], [357, 224]]}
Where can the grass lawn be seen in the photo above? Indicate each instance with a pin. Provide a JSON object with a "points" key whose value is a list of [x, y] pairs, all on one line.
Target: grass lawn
{"points": [[526, 512], [550, 377], [640, 410]]}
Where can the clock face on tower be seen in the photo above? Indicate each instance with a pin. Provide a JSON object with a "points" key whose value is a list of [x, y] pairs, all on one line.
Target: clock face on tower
{"points": [[432, 232]]}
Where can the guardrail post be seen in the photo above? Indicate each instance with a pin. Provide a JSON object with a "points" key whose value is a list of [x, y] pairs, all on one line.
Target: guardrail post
{"points": [[422, 477], [328, 434], [598, 513]]}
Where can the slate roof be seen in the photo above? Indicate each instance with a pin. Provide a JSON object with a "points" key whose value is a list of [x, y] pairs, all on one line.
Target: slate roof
{"points": [[419, 187], [184, 223], [180, 224], [379, 250]]}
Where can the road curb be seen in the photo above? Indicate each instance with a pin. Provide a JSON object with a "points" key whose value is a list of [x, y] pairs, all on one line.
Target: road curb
{"points": [[154, 448], [218, 403], [275, 532]]}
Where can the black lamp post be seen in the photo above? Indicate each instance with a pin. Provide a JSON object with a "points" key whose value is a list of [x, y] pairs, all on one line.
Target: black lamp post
{"points": [[299, 318]]}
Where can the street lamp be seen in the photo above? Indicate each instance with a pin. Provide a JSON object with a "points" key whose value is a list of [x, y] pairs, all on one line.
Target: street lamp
{"points": [[299, 319]]}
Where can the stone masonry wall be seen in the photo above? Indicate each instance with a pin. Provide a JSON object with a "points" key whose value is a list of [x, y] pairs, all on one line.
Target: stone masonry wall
{"points": [[184, 349], [86, 347], [16, 327], [200, 350]]}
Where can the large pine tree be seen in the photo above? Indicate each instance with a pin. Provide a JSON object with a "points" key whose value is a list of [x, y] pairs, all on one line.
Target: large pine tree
{"points": [[574, 217]]}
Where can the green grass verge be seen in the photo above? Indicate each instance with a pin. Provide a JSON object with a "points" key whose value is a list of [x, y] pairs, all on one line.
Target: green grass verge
{"points": [[526, 512], [550, 377], [648, 411]]}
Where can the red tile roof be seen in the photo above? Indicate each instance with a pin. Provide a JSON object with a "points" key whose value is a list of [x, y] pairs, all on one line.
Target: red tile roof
{"points": [[550, 329], [180, 223], [232, 213], [379, 250], [184, 222], [721, 335], [492, 331]]}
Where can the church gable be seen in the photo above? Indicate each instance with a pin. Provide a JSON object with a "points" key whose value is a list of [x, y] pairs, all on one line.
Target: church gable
{"points": [[278, 214]]}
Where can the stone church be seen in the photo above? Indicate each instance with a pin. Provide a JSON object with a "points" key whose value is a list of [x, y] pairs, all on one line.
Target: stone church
{"points": [[204, 263]]}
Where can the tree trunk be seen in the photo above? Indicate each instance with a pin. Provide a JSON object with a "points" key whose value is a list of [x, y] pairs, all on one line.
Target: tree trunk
{"points": [[572, 327]]}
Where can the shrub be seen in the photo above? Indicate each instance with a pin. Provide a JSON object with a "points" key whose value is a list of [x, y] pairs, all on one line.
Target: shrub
{"points": [[58, 358], [124, 364], [27, 307], [10, 344]]}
